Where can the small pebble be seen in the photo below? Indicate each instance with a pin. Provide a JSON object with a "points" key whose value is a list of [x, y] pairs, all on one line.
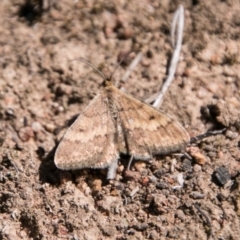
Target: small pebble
{"points": [[162, 185], [36, 127], [221, 175], [141, 226], [25, 133], [140, 166], [97, 185], [153, 179], [10, 112], [50, 127], [187, 165], [195, 153], [202, 93], [180, 214], [125, 33], [114, 192], [145, 181], [131, 175], [231, 135], [197, 168], [196, 195], [159, 173]]}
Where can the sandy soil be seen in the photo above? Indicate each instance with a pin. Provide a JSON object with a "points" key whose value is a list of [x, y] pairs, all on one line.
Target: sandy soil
{"points": [[42, 91]]}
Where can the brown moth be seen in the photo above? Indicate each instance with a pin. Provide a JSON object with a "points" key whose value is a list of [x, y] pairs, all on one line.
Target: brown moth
{"points": [[115, 122]]}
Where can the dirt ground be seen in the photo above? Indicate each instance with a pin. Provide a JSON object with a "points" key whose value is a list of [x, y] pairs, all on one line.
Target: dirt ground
{"points": [[42, 91]]}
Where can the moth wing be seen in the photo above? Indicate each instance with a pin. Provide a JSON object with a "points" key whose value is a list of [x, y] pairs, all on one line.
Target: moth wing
{"points": [[89, 141], [144, 130]]}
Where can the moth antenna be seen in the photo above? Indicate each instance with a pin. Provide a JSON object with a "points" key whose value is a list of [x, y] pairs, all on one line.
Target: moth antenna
{"points": [[88, 63], [98, 71], [119, 63]]}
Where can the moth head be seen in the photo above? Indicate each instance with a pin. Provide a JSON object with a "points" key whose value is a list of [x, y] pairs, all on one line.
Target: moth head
{"points": [[107, 82]]}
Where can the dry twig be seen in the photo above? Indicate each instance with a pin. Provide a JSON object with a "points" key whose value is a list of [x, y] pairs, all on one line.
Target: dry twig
{"points": [[179, 15]]}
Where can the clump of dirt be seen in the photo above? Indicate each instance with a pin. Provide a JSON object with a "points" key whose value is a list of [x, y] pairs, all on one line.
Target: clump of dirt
{"points": [[42, 91]]}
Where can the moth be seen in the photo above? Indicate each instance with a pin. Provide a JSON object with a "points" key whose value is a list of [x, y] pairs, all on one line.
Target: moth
{"points": [[115, 122]]}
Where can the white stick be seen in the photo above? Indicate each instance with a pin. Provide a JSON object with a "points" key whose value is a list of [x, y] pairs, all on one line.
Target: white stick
{"points": [[179, 15]]}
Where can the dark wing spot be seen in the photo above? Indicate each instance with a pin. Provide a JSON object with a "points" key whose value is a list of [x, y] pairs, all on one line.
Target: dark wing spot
{"points": [[151, 117]]}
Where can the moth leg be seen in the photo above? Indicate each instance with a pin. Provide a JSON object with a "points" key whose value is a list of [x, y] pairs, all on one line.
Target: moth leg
{"points": [[130, 162], [112, 169]]}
